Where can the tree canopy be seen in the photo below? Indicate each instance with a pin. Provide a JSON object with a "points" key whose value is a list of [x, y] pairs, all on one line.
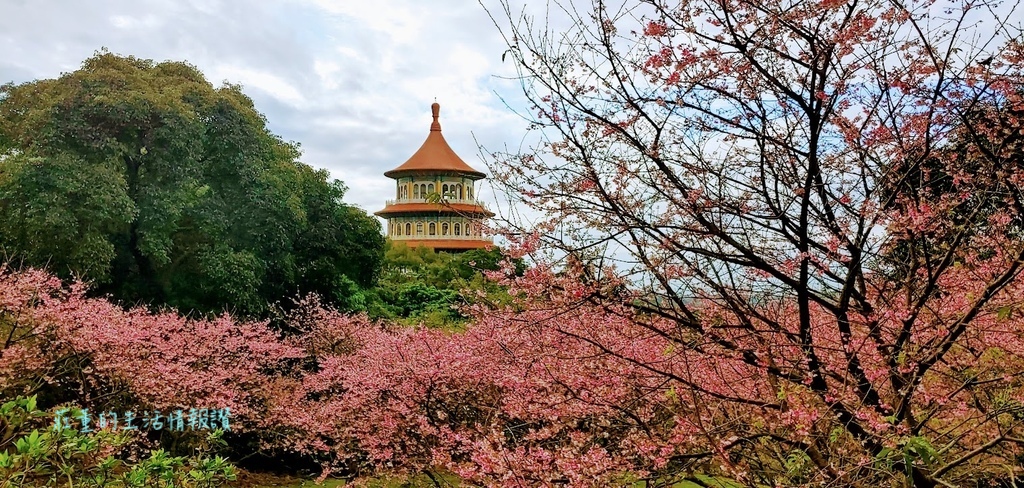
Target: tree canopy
{"points": [[163, 189], [420, 285]]}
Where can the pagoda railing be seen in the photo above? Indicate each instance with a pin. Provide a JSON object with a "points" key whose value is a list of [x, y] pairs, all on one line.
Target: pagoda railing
{"points": [[441, 238], [467, 201]]}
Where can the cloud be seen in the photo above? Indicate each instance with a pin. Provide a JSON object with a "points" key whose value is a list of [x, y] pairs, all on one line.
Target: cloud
{"points": [[351, 81], [130, 22], [264, 81]]}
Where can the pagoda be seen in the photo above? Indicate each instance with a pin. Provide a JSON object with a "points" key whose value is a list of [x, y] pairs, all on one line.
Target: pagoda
{"points": [[435, 203]]}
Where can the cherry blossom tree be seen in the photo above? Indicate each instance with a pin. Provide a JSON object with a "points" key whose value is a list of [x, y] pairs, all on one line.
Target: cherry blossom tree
{"points": [[67, 347], [496, 405], [815, 204]]}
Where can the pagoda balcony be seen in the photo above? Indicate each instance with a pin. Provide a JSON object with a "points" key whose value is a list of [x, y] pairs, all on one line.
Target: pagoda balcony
{"points": [[404, 206], [466, 201], [423, 237]]}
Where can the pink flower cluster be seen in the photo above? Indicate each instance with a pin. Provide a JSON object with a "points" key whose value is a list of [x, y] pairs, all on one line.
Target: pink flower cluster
{"points": [[560, 392]]}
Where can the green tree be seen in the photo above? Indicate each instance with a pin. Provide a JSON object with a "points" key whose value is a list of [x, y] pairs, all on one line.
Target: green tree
{"points": [[163, 189], [93, 206], [420, 285]]}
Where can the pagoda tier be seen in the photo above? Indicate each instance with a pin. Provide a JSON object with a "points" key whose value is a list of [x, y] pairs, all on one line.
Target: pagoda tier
{"points": [[435, 204]]}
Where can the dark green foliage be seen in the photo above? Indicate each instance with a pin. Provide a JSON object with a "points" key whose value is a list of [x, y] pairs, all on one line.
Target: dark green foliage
{"points": [[419, 285], [75, 237], [418, 298], [165, 190]]}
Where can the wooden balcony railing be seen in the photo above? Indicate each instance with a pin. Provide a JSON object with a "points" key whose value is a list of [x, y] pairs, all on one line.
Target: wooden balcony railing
{"points": [[422, 237], [466, 201]]}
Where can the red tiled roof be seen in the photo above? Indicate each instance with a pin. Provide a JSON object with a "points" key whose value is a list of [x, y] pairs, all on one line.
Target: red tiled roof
{"points": [[451, 208], [435, 155]]}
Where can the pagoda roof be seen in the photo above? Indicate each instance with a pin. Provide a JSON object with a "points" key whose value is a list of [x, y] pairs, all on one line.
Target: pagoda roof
{"points": [[398, 208], [435, 155]]}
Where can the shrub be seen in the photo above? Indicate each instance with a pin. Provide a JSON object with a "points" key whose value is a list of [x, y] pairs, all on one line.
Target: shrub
{"points": [[34, 454]]}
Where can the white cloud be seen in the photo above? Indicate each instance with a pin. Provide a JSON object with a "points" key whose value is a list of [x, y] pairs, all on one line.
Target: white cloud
{"points": [[264, 81], [404, 22], [130, 22], [327, 71]]}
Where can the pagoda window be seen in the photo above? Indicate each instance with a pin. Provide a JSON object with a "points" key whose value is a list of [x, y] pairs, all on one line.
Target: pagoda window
{"points": [[408, 229], [433, 229], [444, 228], [416, 191], [430, 188], [396, 229], [459, 190], [419, 228], [458, 229], [444, 189]]}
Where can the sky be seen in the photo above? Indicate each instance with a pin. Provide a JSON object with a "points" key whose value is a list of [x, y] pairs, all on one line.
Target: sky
{"points": [[350, 80]]}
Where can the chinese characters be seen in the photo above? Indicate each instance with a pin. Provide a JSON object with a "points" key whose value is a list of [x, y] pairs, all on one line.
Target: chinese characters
{"points": [[180, 420]]}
